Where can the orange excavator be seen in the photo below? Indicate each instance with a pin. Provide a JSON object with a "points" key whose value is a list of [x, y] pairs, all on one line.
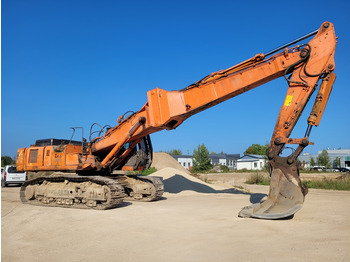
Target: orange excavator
{"points": [[127, 146]]}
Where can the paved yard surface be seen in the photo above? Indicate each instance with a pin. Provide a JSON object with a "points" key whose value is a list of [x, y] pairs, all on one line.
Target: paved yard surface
{"points": [[194, 222]]}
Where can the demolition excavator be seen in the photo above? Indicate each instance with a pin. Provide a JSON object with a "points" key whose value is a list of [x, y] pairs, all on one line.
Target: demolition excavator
{"points": [[127, 146]]}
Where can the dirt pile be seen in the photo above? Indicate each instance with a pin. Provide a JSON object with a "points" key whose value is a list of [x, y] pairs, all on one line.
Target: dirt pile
{"points": [[163, 160], [177, 179]]}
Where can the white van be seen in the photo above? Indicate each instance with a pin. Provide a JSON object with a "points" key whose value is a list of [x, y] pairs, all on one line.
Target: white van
{"points": [[10, 175]]}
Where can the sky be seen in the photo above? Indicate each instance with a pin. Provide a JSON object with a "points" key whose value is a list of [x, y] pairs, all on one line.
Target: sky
{"points": [[74, 63]]}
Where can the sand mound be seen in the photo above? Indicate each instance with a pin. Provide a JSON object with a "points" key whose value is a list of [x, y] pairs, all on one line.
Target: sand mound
{"points": [[176, 181], [163, 160]]}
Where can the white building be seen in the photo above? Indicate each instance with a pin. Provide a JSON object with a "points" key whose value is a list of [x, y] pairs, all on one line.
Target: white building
{"points": [[228, 160], [251, 162], [337, 157], [185, 160]]}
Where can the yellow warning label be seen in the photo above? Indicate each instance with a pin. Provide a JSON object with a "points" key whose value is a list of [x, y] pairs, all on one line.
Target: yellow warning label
{"points": [[288, 101]]}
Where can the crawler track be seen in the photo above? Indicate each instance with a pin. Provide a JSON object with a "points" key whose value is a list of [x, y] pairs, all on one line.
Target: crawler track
{"points": [[158, 184], [141, 188], [83, 192]]}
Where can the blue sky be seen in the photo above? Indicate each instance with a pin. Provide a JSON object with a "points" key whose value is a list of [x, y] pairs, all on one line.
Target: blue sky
{"points": [[74, 63]]}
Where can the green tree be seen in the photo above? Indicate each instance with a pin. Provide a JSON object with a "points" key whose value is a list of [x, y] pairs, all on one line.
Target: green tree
{"points": [[312, 161], [174, 152], [257, 149], [201, 160], [337, 162], [6, 160], [323, 159]]}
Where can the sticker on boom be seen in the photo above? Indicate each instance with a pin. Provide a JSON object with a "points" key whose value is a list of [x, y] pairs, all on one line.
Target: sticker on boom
{"points": [[288, 100]]}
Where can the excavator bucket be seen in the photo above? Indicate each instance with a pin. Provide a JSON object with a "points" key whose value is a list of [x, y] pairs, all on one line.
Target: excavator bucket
{"points": [[286, 195]]}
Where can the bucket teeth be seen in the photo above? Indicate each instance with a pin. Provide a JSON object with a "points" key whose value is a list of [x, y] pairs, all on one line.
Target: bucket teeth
{"points": [[286, 195]]}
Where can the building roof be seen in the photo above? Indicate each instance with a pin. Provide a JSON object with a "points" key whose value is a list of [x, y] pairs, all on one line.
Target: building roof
{"points": [[182, 156], [337, 151], [212, 156], [251, 158], [224, 156]]}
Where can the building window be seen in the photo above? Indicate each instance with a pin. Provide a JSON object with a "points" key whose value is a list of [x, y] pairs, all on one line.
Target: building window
{"points": [[255, 165]]}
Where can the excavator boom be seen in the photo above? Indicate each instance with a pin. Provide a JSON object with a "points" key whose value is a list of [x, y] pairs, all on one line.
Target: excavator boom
{"points": [[127, 145]]}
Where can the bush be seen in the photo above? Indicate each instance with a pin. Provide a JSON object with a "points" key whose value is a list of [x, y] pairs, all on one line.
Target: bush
{"points": [[258, 179], [224, 169], [342, 183]]}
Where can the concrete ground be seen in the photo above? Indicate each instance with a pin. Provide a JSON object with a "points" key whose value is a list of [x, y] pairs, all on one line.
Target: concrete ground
{"points": [[189, 224]]}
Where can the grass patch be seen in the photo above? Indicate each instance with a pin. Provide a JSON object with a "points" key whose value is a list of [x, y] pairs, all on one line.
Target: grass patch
{"points": [[258, 179], [244, 170], [341, 183], [148, 171]]}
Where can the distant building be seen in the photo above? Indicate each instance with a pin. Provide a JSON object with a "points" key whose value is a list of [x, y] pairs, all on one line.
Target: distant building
{"points": [[251, 162], [228, 160], [185, 160], [337, 157]]}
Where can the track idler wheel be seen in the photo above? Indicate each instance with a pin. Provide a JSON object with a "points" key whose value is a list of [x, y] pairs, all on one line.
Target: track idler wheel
{"points": [[286, 195]]}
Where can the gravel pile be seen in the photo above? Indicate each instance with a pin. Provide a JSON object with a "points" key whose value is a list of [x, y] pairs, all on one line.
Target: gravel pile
{"points": [[177, 179], [162, 160]]}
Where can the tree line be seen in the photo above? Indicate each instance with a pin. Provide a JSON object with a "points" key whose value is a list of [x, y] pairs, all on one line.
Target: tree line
{"points": [[6, 160], [202, 162], [323, 160]]}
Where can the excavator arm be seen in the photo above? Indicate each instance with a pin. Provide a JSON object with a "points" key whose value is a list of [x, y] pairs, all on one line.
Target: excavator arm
{"points": [[302, 66], [127, 146], [168, 109]]}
